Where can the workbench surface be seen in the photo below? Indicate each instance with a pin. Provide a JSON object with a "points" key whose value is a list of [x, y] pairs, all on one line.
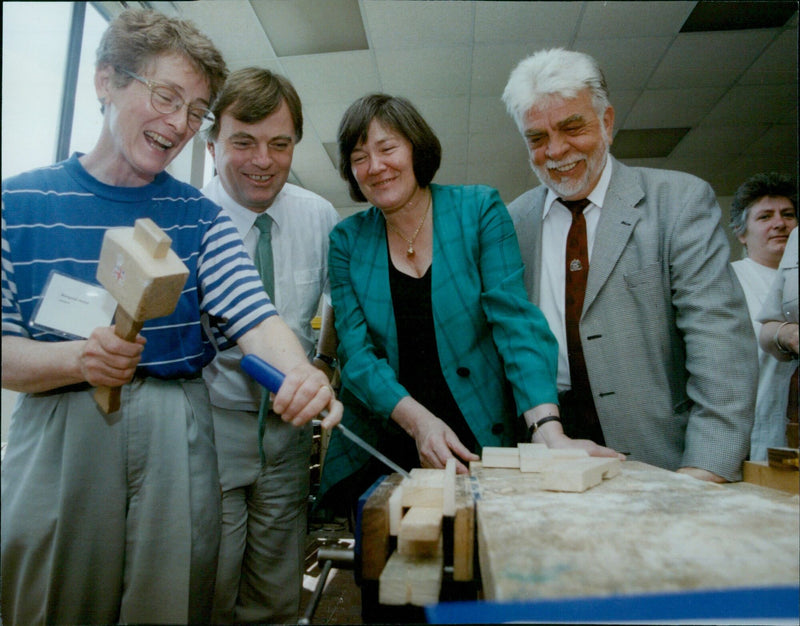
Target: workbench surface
{"points": [[646, 530]]}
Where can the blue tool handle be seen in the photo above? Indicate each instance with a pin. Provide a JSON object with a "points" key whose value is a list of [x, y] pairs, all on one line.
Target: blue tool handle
{"points": [[262, 372]]}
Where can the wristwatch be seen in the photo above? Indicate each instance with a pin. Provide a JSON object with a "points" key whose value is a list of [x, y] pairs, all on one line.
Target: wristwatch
{"points": [[539, 423]]}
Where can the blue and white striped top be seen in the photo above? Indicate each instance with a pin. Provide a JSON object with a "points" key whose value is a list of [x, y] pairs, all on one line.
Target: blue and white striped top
{"points": [[54, 218]]}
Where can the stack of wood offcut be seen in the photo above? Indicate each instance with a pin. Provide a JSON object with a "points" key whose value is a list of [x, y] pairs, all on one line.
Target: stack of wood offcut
{"points": [[562, 470], [417, 530]]}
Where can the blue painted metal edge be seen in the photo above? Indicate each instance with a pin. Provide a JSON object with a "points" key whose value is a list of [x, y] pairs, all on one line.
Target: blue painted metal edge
{"points": [[773, 603]]}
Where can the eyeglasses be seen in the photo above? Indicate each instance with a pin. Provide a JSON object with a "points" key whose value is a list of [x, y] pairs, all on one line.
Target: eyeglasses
{"points": [[166, 100]]}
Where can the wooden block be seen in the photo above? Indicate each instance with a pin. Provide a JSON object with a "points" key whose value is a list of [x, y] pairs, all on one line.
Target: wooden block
{"points": [[784, 458], [154, 240], [375, 528], [464, 531], [500, 457], [409, 547], [760, 473], [410, 580], [449, 489], [395, 510], [424, 488], [143, 285], [537, 457], [578, 475], [421, 523]]}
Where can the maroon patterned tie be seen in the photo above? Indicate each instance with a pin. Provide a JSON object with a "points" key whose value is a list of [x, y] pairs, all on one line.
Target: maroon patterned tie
{"points": [[586, 425]]}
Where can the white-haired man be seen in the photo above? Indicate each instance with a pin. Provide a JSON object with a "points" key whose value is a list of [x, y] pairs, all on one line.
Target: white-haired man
{"points": [[630, 267]]}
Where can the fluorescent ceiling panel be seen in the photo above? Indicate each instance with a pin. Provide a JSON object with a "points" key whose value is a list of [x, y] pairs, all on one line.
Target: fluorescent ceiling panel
{"points": [[305, 27], [739, 15]]}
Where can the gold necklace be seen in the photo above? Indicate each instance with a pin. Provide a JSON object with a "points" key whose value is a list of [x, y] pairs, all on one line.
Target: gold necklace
{"points": [[410, 242]]}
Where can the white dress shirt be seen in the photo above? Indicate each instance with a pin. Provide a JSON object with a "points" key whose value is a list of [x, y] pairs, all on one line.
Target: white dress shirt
{"points": [[302, 221], [556, 221]]}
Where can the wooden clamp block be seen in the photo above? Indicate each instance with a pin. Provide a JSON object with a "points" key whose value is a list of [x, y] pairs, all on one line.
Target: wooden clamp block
{"points": [[424, 488], [500, 457], [145, 277], [421, 523], [412, 547], [578, 475], [537, 457], [411, 580], [375, 528], [464, 531]]}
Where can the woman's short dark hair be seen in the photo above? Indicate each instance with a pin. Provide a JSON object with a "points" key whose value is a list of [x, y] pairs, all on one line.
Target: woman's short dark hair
{"points": [[402, 117], [773, 184]]}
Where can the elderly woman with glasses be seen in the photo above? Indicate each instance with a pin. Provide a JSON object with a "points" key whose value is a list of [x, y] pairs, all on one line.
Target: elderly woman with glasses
{"points": [[115, 518]]}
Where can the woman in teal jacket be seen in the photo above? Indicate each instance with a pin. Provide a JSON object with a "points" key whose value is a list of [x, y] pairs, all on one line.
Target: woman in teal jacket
{"points": [[440, 349]]}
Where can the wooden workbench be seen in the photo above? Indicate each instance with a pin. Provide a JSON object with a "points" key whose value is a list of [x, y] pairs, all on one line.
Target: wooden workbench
{"points": [[646, 530]]}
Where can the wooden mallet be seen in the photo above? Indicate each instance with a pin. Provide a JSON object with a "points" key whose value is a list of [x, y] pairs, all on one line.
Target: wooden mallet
{"points": [[145, 277]]}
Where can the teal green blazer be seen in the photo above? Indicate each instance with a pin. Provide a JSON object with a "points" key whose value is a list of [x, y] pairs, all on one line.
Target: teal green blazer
{"points": [[496, 351]]}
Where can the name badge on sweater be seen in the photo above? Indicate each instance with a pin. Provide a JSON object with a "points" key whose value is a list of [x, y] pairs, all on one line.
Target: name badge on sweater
{"points": [[72, 308]]}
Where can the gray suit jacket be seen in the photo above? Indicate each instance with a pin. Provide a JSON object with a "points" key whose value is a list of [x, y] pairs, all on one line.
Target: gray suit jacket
{"points": [[667, 339]]}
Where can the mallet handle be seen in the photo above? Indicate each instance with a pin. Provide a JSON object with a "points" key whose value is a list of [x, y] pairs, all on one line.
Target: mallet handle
{"points": [[127, 328]]}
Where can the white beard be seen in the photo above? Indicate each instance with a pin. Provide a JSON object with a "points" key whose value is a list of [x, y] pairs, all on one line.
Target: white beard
{"points": [[573, 187]]}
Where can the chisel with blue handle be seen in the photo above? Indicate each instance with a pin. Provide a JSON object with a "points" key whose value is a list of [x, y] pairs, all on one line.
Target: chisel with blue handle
{"points": [[267, 376]]}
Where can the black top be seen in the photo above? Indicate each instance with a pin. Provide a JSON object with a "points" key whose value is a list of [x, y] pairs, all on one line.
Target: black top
{"points": [[420, 369]]}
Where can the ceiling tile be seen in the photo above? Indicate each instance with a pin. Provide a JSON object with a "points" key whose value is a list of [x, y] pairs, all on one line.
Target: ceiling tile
{"points": [[492, 63], [446, 116], [780, 140], [709, 59], [614, 57], [705, 140], [756, 104], [509, 147], [436, 71], [664, 108], [623, 102], [325, 117], [488, 114], [506, 22], [411, 24], [611, 20], [451, 172], [510, 179], [777, 64], [249, 46], [335, 77], [646, 142], [455, 149]]}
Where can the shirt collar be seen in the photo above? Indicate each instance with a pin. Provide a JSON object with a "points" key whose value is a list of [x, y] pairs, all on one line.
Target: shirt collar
{"points": [[242, 217], [596, 196]]}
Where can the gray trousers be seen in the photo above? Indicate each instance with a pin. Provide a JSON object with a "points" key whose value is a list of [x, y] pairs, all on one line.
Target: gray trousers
{"points": [[107, 521], [262, 550]]}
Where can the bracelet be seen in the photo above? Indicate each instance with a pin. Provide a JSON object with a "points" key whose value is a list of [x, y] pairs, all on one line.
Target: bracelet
{"points": [[330, 361], [538, 424], [776, 340]]}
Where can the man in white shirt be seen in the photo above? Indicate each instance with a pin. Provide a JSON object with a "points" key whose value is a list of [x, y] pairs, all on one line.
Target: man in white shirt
{"points": [[265, 487]]}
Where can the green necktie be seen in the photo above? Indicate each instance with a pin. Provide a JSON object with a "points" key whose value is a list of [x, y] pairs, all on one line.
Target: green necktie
{"points": [[266, 269], [264, 262]]}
